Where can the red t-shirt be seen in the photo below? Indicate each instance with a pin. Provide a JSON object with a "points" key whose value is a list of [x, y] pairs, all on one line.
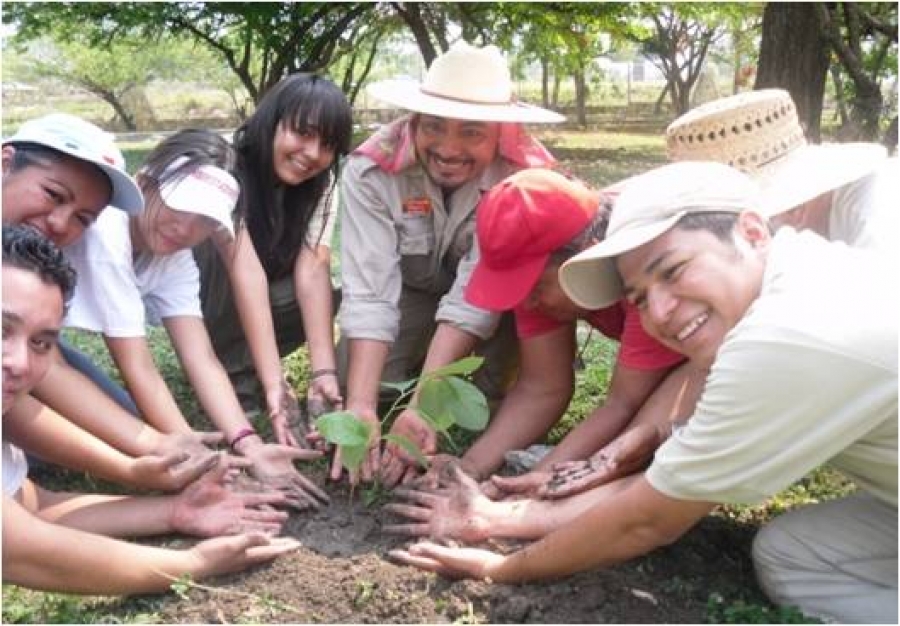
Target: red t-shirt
{"points": [[621, 322]]}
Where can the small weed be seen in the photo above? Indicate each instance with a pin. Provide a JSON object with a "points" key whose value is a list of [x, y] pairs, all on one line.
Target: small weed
{"points": [[182, 586], [741, 612], [469, 617], [375, 494], [365, 591]]}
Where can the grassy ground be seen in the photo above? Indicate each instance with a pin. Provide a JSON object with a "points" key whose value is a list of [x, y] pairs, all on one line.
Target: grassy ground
{"points": [[599, 158]]}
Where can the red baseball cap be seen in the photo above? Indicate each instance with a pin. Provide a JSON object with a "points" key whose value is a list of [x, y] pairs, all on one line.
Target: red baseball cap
{"points": [[520, 222]]}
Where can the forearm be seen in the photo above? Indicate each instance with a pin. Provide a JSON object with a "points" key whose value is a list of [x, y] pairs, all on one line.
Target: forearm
{"points": [[40, 555], [113, 516], [524, 417], [43, 432], [68, 392], [314, 294], [600, 427], [367, 357]]}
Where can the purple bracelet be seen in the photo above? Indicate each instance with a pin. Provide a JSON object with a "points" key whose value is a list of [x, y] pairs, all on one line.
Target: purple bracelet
{"points": [[241, 434]]}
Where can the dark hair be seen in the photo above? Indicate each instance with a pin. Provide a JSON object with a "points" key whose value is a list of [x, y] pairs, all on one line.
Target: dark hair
{"points": [[27, 153], [277, 216], [719, 223], [28, 249], [594, 232], [200, 147]]}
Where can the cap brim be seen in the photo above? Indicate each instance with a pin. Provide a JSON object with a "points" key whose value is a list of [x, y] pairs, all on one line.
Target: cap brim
{"points": [[590, 278], [407, 95], [812, 170], [126, 195], [502, 290]]}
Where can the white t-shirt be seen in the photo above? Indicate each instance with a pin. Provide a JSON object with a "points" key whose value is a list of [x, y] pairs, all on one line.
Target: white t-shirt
{"points": [[116, 294], [864, 214], [15, 469], [807, 377]]}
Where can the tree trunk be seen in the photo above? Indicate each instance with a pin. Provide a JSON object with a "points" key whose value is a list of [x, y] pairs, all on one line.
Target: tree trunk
{"points": [[545, 83], [411, 14], [839, 96], [580, 98], [794, 56]]}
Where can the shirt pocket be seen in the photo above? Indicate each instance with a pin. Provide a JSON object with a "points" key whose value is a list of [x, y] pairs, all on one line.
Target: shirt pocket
{"points": [[416, 237]]}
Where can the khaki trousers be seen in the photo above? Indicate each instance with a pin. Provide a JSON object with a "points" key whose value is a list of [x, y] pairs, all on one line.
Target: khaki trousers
{"points": [[836, 560]]}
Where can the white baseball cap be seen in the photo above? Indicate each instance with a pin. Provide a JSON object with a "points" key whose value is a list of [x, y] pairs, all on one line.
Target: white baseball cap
{"points": [[205, 190], [82, 140], [650, 205]]}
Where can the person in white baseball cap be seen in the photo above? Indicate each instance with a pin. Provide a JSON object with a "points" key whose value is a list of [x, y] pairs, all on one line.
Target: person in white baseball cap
{"points": [[843, 191], [800, 338], [410, 193], [139, 269], [78, 165]]}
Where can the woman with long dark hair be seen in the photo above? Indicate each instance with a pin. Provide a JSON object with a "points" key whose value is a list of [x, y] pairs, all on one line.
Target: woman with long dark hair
{"points": [[269, 289]]}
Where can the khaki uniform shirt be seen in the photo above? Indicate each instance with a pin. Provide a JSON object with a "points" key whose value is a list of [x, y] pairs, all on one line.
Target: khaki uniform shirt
{"points": [[396, 234]]}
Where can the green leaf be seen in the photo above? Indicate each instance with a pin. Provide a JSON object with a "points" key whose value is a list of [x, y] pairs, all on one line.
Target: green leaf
{"points": [[409, 447], [344, 429], [400, 387], [462, 367], [447, 401], [353, 456]]}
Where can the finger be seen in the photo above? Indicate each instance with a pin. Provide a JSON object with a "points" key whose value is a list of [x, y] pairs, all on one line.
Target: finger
{"points": [[172, 459], [336, 465], [269, 517], [509, 484], [301, 454], [270, 529], [410, 475], [417, 496], [425, 563], [236, 461], [210, 438], [274, 547], [408, 530], [417, 513], [310, 487], [259, 499]]}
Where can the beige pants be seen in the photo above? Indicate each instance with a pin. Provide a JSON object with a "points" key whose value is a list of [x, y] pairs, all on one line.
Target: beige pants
{"points": [[836, 561]]}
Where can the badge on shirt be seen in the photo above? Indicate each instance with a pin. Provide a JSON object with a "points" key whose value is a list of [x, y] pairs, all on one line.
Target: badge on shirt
{"points": [[416, 207]]}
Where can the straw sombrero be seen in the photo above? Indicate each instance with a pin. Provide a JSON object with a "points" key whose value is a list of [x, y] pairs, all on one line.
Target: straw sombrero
{"points": [[758, 132], [464, 83]]}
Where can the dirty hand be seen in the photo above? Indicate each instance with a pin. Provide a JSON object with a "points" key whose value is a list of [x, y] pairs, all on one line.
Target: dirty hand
{"points": [[222, 555], [273, 465], [439, 471], [534, 484], [450, 561], [195, 443], [396, 464], [169, 472], [319, 401], [283, 411], [371, 462], [628, 453], [449, 514], [208, 508]]}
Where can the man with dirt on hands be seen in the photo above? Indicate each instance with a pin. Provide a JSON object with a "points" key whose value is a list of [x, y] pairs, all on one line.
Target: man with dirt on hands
{"points": [[527, 226], [800, 337], [407, 252], [65, 541]]}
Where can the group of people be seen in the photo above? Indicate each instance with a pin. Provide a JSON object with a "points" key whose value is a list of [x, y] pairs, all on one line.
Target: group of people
{"points": [[752, 348]]}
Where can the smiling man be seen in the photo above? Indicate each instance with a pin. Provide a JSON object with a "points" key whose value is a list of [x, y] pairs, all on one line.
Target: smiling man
{"points": [[410, 193], [801, 338]]}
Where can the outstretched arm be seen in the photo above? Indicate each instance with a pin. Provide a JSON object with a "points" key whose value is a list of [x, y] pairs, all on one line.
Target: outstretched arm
{"points": [[41, 555]]}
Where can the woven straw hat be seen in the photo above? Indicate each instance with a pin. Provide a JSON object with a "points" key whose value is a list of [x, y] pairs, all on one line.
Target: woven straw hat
{"points": [[759, 133], [466, 83]]}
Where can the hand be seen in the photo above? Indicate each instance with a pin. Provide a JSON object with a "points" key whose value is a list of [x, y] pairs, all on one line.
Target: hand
{"points": [[273, 465], [283, 411], [371, 462], [322, 396], [454, 513], [223, 555], [194, 443], [450, 562], [396, 464], [626, 454], [207, 508], [441, 470], [171, 472], [534, 484]]}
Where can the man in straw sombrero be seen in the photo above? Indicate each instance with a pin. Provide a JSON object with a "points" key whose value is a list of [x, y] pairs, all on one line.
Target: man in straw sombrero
{"points": [[843, 191], [800, 338], [410, 193]]}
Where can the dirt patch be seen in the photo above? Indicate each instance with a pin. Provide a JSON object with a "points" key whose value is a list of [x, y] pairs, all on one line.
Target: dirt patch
{"points": [[342, 575]]}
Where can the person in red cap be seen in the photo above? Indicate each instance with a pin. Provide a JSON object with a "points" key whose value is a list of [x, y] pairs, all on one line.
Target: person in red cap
{"points": [[527, 226]]}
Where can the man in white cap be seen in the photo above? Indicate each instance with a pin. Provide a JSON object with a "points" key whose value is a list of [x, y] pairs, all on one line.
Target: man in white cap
{"points": [[800, 336], [843, 191], [410, 193]]}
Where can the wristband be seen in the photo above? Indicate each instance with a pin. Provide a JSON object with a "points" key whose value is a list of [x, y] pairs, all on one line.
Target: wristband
{"points": [[323, 372], [241, 434]]}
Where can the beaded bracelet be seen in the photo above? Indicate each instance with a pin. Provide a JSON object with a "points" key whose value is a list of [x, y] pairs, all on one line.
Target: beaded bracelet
{"points": [[241, 434], [323, 372]]}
